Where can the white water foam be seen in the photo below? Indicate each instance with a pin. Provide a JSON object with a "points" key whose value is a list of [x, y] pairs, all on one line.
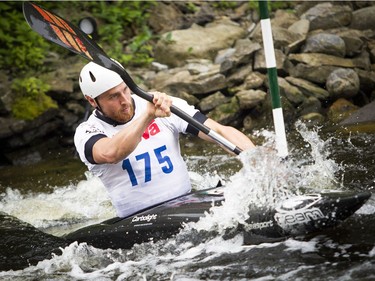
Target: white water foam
{"points": [[65, 205], [265, 179]]}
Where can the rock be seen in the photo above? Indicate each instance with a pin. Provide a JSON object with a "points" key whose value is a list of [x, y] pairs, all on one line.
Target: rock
{"points": [[282, 37], [223, 55], [364, 18], [226, 114], [327, 15], [248, 122], [354, 41], [204, 15], [212, 101], [25, 132], [59, 82], [239, 76], [312, 119], [308, 89], [158, 66], [324, 43], [165, 17], [243, 54], [364, 115], [340, 110], [317, 59], [343, 83], [199, 66], [191, 99], [5, 127], [260, 60], [309, 105], [177, 46], [314, 74], [181, 79], [5, 94], [283, 19], [301, 27], [292, 93], [254, 80], [367, 79], [245, 49], [250, 98]]}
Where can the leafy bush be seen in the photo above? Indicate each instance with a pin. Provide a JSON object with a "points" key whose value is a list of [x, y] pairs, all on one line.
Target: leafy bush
{"points": [[20, 49], [125, 23], [31, 99], [121, 23]]}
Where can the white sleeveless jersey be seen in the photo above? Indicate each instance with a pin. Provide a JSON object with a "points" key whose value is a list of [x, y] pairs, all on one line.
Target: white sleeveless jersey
{"points": [[153, 173]]}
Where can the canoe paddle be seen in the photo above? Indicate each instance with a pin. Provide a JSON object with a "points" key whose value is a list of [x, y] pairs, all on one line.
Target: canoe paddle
{"points": [[58, 30]]}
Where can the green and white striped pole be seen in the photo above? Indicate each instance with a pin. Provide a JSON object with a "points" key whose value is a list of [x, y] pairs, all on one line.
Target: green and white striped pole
{"points": [[277, 112]]}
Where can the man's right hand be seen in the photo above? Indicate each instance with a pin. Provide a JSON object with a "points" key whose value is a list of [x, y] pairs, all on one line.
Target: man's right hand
{"points": [[161, 106]]}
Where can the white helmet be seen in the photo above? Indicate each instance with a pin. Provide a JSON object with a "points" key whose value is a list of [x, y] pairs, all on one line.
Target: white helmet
{"points": [[94, 80]]}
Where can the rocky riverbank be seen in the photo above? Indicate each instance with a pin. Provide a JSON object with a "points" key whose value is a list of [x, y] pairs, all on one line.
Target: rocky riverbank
{"points": [[325, 54]]}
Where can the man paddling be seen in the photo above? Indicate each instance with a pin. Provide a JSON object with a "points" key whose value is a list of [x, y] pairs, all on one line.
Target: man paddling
{"points": [[132, 145]]}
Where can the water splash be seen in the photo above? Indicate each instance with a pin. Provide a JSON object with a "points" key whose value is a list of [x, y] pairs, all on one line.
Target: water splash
{"points": [[316, 171], [265, 180], [70, 204]]}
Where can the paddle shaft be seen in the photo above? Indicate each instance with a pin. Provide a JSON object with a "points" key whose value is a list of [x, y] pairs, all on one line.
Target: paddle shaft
{"points": [[56, 29]]}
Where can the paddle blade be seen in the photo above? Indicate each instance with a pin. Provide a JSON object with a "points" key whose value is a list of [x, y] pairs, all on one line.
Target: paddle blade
{"points": [[55, 29]]}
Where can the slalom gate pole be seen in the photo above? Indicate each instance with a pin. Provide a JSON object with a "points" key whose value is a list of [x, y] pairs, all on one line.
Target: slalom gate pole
{"points": [[277, 112]]}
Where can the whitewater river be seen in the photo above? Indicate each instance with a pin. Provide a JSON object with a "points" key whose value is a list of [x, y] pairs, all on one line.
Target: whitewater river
{"points": [[58, 195]]}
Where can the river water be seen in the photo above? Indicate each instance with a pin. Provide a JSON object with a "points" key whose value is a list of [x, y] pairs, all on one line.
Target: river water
{"points": [[58, 195]]}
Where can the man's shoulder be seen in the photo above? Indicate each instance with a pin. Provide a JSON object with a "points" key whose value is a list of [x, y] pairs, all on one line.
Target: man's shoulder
{"points": [[90, 126]]}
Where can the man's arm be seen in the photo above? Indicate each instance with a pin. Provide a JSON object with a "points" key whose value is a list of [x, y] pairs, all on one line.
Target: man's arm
{"points": [[118, 147], [233, 135]]}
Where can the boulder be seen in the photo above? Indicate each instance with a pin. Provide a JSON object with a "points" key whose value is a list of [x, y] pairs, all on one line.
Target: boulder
{"points": [[250, 98], [343, 83], [325, 43], [308, 89], [365, 114], [177, 46], [327, 15], [210, 102], [318, 59], [364, 18], [340, 110]]}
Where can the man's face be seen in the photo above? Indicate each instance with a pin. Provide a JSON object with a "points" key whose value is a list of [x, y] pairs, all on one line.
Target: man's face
{"points": [[117, 103]]}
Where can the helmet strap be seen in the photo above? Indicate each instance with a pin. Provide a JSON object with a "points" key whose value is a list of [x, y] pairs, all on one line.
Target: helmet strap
{"points": [[98, 105]]}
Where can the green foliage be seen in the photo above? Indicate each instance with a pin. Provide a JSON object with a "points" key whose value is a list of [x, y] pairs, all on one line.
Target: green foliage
{"points": [[272, 5], [120, 23], [125, 23], [225, 4], [20, 49], [191, 7], [31, 99], [167, 39]]}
